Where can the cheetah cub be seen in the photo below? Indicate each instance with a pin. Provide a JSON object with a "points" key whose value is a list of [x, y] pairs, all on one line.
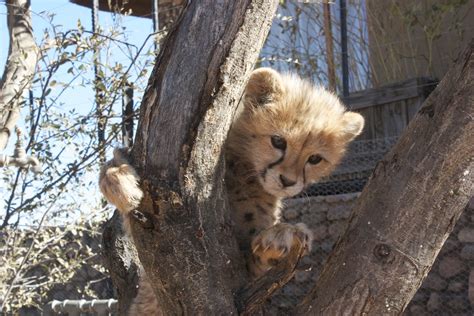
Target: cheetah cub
{"points": [[287, 135]]}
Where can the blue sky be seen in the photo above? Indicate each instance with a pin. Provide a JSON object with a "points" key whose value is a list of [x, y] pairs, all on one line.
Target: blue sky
{"points": [[81, 98], [67, 14]]}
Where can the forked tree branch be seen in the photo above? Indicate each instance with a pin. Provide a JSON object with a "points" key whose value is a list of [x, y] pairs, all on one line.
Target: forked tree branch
{"points": [[186, 243], [408, 208]]}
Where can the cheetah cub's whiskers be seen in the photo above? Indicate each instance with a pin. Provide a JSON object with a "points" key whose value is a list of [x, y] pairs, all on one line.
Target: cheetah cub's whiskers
{"points": [[287, 135]]}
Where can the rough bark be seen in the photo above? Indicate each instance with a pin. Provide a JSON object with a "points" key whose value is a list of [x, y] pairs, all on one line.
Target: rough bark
{"points": [[121, 259], [20, 66], [184, 236], [252, 296], [408, 208]]}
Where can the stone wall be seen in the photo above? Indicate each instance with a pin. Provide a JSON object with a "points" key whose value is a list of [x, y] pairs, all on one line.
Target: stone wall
{"points": [[448, 289]]}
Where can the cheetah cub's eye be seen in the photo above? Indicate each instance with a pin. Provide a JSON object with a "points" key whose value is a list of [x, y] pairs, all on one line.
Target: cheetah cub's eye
{"points": [[315, 159], [278, 142]]}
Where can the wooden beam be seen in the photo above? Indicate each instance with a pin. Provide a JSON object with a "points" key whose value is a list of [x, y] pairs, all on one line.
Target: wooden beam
{"points": [[398, 91], [138, 8]]}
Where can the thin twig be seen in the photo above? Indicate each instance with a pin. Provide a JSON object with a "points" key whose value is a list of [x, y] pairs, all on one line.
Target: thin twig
{"points": [[25, 258]]}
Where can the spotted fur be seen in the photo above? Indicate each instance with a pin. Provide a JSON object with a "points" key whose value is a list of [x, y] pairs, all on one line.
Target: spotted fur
{"points": [[287, 135]]}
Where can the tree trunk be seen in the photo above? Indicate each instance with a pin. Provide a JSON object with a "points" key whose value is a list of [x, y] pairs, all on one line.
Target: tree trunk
{"points": [[407, 210], [183, 233], [20, 66], [121, 260]]}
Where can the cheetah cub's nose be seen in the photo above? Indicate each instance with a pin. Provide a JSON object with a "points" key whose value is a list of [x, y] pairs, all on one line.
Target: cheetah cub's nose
{"points": [[286, 182]]}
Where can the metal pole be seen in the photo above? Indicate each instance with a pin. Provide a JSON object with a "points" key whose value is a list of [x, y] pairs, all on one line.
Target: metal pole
{"points": [[329, 46], [156, 21], [80, 307], [97, 80], [127, 116], [345, 64]]}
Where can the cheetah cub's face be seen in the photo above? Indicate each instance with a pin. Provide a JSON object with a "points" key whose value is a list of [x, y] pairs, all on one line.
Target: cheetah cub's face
{"points": [[294, 132]]}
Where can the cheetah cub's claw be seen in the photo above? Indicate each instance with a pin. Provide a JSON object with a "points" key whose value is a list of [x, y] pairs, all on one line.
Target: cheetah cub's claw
{"points": [[275, 243]]}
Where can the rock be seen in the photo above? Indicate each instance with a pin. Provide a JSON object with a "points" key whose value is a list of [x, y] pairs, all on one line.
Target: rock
{"points": [[450, 245], [471, 287], [338, 213], [308, 261], [319, 207], [467, 252], [320, 232], [457, 303], [456, 286], [434, 302], [302, 276], [420, 296], [450, 266], [293, 290], [466, 235], [434, 282], [337, 229], [350, 197], [291, 213], [313, 218], [307, 205], [318, 199], [417, 310], [333, 198], [326, 246]]}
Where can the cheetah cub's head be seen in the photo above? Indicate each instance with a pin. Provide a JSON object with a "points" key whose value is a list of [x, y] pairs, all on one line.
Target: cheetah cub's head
{"points": [[294, 133]]}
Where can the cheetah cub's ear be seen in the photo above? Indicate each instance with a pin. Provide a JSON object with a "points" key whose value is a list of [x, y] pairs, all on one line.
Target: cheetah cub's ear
{"points": [[352, 125], [265, 86]]}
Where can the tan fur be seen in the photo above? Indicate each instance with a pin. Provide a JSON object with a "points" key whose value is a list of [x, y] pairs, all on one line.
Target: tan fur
{"points": [[310, 120], [119, 183]]}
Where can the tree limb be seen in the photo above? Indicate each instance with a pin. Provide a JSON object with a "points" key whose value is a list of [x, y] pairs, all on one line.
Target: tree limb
{"points": [[184, 238], [408, 208], [20, 66], [254, 295], [120, 258]]}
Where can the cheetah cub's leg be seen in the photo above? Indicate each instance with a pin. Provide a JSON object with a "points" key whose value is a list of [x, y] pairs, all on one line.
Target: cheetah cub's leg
{"points": [[119, 183], [274, 244]]}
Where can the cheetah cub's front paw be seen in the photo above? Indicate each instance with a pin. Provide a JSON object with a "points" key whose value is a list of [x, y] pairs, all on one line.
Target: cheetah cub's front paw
{"points": [[275, 243], [119, 182]]}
